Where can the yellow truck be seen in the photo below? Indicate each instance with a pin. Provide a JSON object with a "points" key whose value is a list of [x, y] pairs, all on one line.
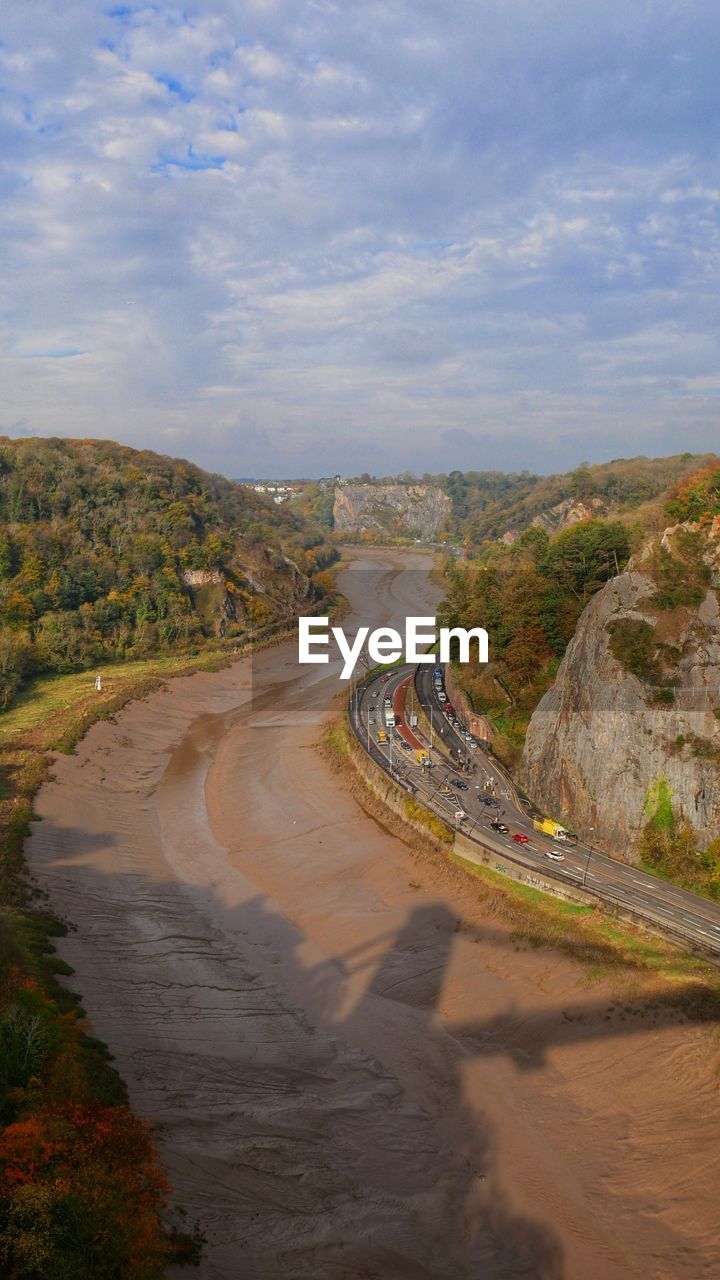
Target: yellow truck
{"points": [[423, 759], [382, 737], [550, 827]]}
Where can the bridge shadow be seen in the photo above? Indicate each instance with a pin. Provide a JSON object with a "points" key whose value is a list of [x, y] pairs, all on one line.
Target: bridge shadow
{"points": [[312, 1107]]}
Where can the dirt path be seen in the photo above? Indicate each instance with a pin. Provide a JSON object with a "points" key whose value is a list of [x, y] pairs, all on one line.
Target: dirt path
{"points": [[353, 1074]]}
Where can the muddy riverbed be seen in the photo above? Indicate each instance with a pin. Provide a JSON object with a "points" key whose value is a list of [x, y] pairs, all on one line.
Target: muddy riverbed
{"points": [[352, 1073]]}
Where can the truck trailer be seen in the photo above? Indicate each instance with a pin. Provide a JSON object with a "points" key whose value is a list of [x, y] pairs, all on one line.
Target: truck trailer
{"points": [[550, 827]]}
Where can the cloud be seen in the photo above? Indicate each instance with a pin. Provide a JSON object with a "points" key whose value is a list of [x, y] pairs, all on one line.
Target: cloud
{"points": [[323, 236]]}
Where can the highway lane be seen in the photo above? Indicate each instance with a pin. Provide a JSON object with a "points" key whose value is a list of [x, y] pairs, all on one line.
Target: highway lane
{"points": [[695, 918]]}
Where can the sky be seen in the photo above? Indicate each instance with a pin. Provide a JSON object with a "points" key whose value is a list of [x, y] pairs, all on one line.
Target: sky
{"points": [[287, 238]]}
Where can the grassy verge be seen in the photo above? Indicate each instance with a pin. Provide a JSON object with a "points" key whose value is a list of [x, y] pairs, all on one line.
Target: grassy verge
{"points": [[607, 947]]}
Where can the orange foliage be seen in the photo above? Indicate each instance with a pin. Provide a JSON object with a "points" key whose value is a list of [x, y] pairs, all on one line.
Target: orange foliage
{"points": [[103, 1160]]}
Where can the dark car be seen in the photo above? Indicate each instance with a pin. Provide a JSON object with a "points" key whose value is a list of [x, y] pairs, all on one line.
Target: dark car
{"points": [[500, 826], [457, 782], [489, 799], [519, 838]]}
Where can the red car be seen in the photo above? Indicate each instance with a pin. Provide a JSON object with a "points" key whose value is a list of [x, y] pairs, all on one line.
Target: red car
{"points": [[519, 838]]}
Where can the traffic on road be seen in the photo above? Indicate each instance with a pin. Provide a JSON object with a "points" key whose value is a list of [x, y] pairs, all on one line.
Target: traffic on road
{"points": [[407, 724]]}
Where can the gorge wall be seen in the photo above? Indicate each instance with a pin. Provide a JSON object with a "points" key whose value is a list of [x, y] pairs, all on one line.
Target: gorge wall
{"points": [[391, 510], [637, 698]]}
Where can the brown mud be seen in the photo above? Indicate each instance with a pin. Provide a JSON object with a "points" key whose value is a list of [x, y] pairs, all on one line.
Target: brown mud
{"points": [[353, 1074]]}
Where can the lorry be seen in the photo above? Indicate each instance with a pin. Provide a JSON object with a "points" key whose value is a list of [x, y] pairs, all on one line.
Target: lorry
{"points": [[550, 827]]}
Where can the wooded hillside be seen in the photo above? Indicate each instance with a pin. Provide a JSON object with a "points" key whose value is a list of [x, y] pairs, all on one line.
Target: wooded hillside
{"points": [[106, 552]]}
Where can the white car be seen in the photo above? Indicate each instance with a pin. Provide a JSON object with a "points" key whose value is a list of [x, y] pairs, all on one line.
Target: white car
{"points": [[556, 854], [442, 697]]}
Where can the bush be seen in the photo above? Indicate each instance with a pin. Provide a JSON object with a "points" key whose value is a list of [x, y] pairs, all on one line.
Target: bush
{"points": [[634, 646]]}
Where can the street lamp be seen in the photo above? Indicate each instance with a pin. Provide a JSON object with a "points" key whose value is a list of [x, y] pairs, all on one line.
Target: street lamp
{"points": [[587, 860]]}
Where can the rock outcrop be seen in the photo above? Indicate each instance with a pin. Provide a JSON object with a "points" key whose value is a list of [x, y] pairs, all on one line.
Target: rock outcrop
{"points": [[568, 512], [391, 510], [637, 697]]}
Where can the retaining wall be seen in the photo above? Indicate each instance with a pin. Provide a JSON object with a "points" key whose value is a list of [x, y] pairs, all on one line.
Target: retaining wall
{"points": [[478, 725]]}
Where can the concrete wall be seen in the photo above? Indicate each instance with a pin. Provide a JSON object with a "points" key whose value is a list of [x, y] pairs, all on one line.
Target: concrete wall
{"points": [[471, 852], [391, 795], [478, 725]]}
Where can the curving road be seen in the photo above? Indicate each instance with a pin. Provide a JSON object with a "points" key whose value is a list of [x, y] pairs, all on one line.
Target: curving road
{"points": [[677, 912]]}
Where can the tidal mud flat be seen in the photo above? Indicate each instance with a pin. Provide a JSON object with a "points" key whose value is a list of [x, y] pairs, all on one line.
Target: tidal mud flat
{"points": [[353, 1074]]}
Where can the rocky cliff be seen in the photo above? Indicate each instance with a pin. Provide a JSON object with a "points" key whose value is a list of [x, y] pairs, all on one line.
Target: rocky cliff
{"points": [[637, 698], [391, 510]]}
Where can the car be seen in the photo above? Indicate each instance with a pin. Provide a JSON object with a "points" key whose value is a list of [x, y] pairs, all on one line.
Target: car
{"points": [[500, 826], [489, 800], [458, 782], [376, 693], [442, 697], [519, 838], [405, 745], [556, 854]]}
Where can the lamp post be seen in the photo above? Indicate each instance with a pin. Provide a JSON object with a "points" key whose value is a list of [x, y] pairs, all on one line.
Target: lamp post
{"points": [[587, 861]]}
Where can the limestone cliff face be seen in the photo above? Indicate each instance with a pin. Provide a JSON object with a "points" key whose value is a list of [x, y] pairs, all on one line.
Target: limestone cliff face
{"points": [[637, 696], [391, 510]]}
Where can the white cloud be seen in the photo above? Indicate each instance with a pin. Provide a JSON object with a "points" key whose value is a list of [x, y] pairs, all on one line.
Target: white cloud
{"points": [[270, 226]]}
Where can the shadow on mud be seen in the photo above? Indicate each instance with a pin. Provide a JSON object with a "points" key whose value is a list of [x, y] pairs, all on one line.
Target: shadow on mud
{"points": [[321, 1097]]}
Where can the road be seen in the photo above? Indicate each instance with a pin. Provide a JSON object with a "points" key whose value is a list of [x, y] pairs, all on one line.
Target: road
{"points": [[675, 910]]}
